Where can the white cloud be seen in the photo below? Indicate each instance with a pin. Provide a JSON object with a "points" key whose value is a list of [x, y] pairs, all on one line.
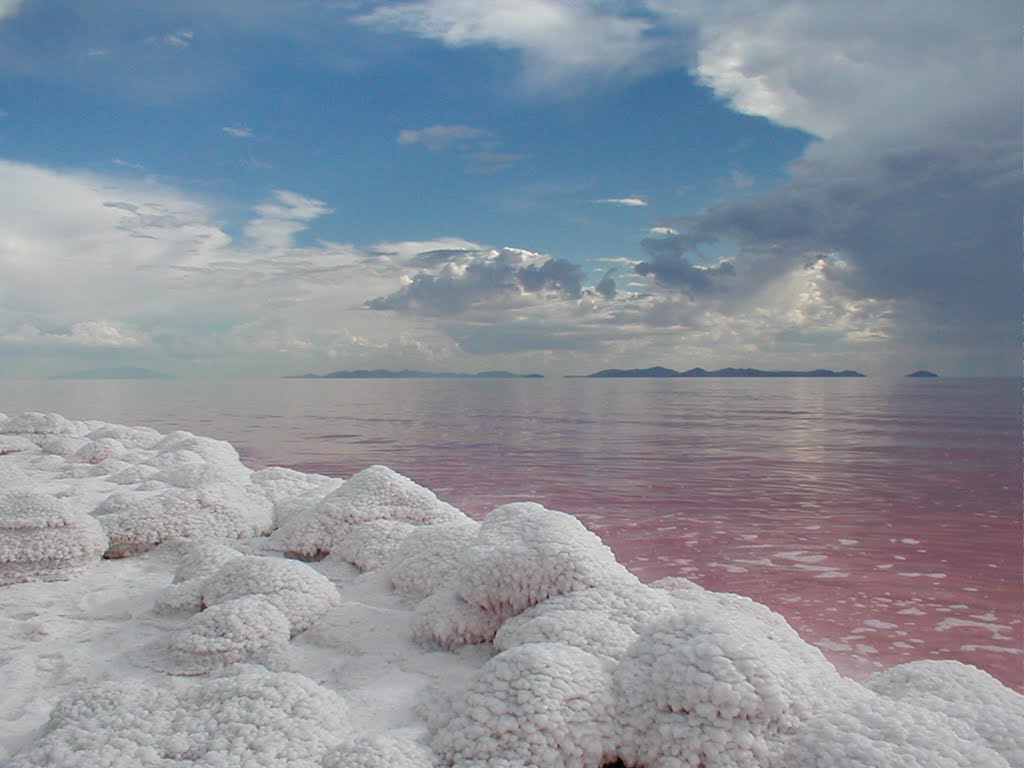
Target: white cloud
{"points": [[87, 334], [8, 8], [238, 131], [628, 202], [559, 39], [181, 39], [438, 137]]}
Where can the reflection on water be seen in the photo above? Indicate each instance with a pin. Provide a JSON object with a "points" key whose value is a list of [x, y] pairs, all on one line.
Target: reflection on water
{"points": [[882, 518]]}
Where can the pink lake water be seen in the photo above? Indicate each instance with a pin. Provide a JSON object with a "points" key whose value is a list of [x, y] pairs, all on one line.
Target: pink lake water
{"points": [[882, 518]]}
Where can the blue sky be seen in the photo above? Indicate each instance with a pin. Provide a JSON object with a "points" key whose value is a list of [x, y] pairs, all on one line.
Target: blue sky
{"points": [[264, 188]]}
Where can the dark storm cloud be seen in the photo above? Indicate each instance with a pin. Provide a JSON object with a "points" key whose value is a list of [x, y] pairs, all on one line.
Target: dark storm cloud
{"points": [[670, 267], [489, 278], [606, 286], [937, 226]]}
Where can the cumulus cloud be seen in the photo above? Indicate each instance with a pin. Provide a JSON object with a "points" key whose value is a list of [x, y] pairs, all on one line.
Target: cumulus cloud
{"points": [[558, 40], [8, 8], [469, 278], [86, 334], [180, 39]]}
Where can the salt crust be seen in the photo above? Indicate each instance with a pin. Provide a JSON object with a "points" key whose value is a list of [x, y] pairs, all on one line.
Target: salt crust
{"points": [[873, 731], [525, 553], [137, 521], [379, 751], [543, 704], [42, 539], [292, 492], [34, 423], [446, 621], [376, 493], [237, 630], [370, 545], [965, 693], [428, 557], [246, 717], [294, 588], [720, 688]]}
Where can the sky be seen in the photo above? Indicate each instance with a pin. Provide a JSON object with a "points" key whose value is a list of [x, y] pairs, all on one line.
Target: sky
{"points": [[271, 187]]}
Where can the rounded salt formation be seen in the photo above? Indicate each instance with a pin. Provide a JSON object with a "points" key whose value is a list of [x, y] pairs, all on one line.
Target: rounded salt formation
{"points": [[376, 493], [369, 545], [428, 558], [600, 620], [525, 554], [873, 731], [542, 704], [42, 539], [292, 492], [248, 716], [200, 560], [136, 521], [965, 693], [447, 621], [720, 689], [379, 751], [32, 423], [224, 634], [302, 594]]}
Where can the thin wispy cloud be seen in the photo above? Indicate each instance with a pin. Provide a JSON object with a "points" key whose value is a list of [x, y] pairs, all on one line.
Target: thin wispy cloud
{"points": [[626, 202], [439, 137], [238, 131], [180, 39]]}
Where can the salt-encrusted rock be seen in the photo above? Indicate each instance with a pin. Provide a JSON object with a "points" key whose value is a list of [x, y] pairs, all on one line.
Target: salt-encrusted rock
{"points": [[873, 731], [130, 437], [525, 553], [248, 716], [719, 688], [65, 446], [376, 493], [42, 539], [296, 589], [292, 492], [95, 451], [600, 620], [447, 621], [210, 450], [15, 444], [34, 423], [379, 751], [200, 560], [428, 558], [542, 704], [369, 545], [965, 693], [245, 628], [138, 521]]}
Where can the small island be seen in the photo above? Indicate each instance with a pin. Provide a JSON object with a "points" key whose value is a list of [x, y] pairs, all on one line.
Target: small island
{"points": [[922, 375], [407, 374], [696, 373]]}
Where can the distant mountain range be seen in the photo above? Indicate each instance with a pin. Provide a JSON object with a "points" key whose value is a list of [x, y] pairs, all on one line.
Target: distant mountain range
{"points": [[121, 372], [384, 374], [698, 373], [922, 375]]}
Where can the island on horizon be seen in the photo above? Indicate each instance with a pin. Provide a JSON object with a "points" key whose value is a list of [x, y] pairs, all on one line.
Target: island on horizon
{"points": [[118, 372], [659, 371], [407, 374], [922, 375]]}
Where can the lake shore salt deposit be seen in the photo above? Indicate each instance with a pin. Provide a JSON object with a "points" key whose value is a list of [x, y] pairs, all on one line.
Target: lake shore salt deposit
{"points": [[163, 604]]}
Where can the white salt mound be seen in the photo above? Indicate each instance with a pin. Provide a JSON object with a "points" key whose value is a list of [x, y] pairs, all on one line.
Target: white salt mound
{"points": [[42, 539], [541, 704], [376, 493], [380, 751], [302, 594], [237, 630], [249, 716], [428, 558], [370, 545]]}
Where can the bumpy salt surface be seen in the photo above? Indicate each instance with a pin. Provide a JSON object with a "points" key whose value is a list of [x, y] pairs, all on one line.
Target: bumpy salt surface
{"points": [[424, 639]]}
